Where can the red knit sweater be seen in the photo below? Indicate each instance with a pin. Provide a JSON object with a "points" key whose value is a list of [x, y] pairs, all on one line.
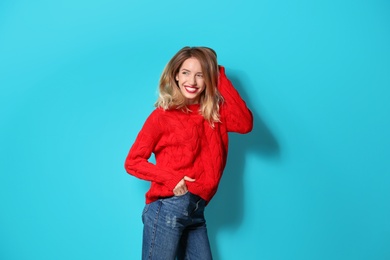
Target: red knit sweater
{"points": [[184, 144]]}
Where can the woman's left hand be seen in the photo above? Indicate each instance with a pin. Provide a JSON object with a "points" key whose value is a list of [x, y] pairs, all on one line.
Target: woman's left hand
{"points": [[181, 187]]}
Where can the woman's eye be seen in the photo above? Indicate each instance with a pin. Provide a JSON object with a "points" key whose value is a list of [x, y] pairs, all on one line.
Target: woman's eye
{"points": [[200, 76], [185, 72]]}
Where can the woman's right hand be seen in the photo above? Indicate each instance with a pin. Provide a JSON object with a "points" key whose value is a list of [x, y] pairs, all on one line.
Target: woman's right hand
{"points": [[181, 187]]}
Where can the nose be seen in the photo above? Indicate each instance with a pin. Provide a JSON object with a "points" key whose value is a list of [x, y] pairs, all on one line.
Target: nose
{"points": [[192, 80]]}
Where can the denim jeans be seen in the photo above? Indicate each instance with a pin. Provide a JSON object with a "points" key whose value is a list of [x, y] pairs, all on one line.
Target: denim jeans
{"points": [[175, 227]]}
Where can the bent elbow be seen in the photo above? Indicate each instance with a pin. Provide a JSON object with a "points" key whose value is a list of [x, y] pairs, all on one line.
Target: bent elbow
{"points": [[247, 125], [129, 165], [248, 129]]}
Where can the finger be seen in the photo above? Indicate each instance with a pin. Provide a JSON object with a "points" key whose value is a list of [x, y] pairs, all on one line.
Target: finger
{"points": [[180, 192], [180, 189], [179, 184], [186, 178]]}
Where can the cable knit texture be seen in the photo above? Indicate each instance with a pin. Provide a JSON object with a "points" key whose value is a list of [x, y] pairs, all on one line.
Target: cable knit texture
{"points": [[184, 144]]}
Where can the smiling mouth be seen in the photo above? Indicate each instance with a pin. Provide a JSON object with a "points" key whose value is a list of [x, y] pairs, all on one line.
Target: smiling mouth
{"points": [[191, 89]]}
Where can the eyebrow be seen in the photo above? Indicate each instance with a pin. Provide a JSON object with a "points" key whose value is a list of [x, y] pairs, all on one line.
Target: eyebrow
{"points": [[200, 72]]}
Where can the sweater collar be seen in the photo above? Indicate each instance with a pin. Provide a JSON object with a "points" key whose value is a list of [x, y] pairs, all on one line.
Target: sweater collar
{"points": [[188, 109], [194, 108]]}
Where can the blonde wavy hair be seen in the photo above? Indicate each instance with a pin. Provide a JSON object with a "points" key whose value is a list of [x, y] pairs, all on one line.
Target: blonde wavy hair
{"points": [[170, 96]]}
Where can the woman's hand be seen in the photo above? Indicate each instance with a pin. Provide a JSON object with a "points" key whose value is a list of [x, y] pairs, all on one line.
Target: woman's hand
{"points": [[181, 187]]}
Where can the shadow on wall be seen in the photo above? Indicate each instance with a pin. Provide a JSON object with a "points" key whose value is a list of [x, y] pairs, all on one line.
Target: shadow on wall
{"points": [[226, 209]]}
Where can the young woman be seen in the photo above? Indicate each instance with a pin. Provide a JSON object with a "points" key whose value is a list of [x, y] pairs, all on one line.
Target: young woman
{"points": [[187, 132]]}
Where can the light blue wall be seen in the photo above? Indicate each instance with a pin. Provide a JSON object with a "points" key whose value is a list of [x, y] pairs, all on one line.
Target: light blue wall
{"points": [[78, 78]]}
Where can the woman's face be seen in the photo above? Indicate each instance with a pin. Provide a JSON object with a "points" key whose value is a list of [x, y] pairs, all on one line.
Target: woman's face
{"points": [[190, 80]]}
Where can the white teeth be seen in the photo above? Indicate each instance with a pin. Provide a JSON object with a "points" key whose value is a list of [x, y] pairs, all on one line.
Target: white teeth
{"points": [[191, 89]]}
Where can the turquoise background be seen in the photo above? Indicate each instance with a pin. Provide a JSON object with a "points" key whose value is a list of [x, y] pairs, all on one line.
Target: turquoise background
{"points": [[78, 79]]}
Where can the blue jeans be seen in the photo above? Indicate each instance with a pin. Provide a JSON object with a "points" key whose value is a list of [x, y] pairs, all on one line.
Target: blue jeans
{"points": [[175, 227]]}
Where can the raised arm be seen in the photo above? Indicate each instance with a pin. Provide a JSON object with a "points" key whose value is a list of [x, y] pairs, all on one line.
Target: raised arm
{"points": [[234, 112]]}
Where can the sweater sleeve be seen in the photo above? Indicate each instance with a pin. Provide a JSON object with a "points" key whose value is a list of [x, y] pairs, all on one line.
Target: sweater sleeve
{"points": [[234, 112], [137, 163]]}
